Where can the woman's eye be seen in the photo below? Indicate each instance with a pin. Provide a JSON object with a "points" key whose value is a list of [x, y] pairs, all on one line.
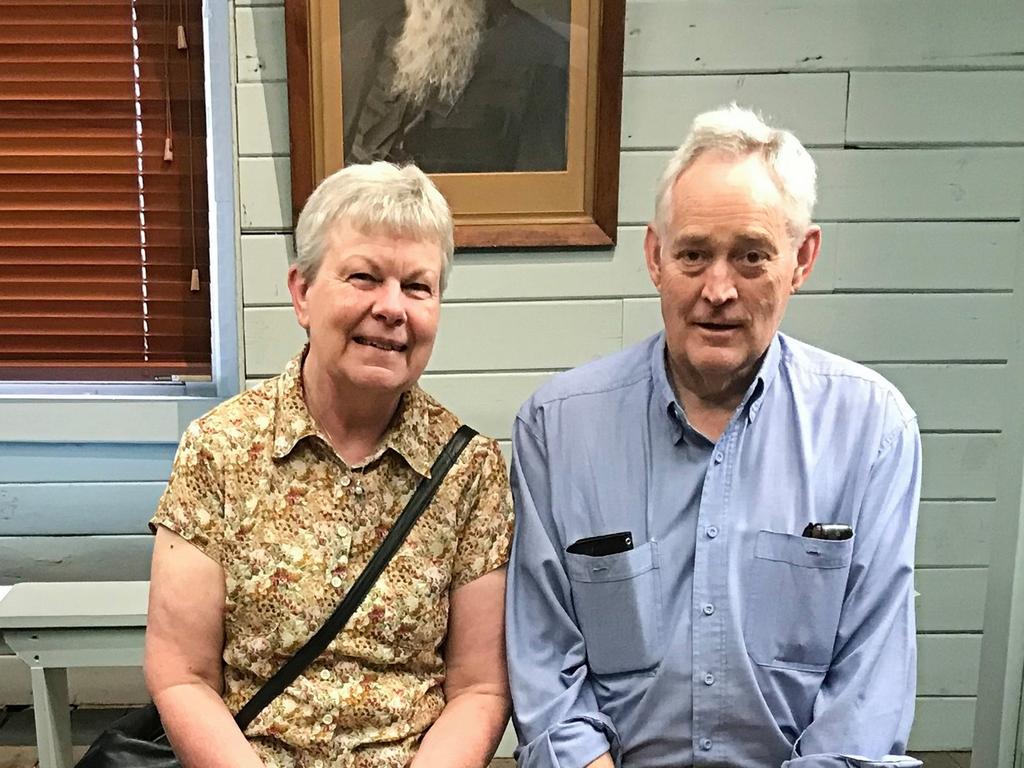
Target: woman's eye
{"points": [[419, 289], [362, 277]]}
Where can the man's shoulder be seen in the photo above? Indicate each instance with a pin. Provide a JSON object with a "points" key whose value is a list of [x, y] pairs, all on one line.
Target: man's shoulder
{"points": [[850, 381], [609, 375]]}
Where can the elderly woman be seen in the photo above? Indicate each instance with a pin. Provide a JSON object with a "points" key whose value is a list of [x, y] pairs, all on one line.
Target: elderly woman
{"points": [[280, 496]]}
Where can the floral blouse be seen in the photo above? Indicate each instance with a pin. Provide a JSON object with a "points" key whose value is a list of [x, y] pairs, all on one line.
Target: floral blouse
{"points": [[258, 489]]}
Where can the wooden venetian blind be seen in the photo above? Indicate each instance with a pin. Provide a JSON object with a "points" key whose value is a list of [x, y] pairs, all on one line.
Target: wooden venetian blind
{"points": [[104, 238]]}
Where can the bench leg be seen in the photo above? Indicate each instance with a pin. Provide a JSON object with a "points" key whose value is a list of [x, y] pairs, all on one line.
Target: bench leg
{"points": [[53, 717]]}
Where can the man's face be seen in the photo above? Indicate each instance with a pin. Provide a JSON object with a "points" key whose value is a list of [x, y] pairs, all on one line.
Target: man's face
{"points": [[725, 267], [372, 310]]}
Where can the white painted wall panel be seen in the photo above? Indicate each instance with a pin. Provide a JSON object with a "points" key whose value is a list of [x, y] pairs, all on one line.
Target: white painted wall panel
{"points": [[657, 111], [265, 193], [262, 110], [260, 44], [474, 337], [942, 723], [746, 36], [877, 185], [916, 108], [880, 327], [947, 665]]}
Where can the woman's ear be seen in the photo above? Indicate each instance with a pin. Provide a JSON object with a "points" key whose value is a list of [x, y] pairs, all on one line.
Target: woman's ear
{"points": [[298, 287]]}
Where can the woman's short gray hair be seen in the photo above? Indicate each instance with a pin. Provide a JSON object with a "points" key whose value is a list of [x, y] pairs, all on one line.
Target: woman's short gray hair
{"points": [[739, 132], [376, 197]]}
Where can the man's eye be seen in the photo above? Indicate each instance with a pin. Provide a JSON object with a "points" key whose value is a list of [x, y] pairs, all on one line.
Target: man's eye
{"points": [[690, 257], [754, 258]]}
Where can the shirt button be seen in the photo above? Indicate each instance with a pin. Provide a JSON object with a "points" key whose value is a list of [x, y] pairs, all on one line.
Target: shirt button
{"points": [[711, 531], [336, 582], [719, 457], [705, 744], [346, 481], [709, 679], [325, 674], [708, 609]]}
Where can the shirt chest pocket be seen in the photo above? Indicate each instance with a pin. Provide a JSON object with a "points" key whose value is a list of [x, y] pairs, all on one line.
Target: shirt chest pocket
{"points": [[794, 598], [618, 606]]}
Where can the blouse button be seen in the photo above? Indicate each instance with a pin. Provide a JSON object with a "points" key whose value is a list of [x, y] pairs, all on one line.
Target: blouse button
{"points": [[336, 582], [328, 719], [359, 490], [346, 481], [325, 674]]}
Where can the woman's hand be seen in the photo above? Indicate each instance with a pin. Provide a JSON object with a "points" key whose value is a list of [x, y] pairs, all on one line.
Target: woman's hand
{"points": [[183, 666], [477, 701]]}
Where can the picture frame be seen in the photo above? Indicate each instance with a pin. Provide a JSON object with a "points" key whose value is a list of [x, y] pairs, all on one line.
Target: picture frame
{"points": [[538, 198]]}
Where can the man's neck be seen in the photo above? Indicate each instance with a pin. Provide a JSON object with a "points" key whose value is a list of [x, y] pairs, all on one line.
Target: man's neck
{"points": [[354, 421], [709, 403]]}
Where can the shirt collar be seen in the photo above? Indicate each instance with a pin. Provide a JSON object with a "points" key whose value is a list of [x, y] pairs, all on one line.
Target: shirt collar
{"points": [[408, 434], [752, 399]]}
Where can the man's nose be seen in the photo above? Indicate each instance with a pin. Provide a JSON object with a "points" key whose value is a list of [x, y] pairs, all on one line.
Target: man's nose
{"points": [[389, 303], [719, 283]]}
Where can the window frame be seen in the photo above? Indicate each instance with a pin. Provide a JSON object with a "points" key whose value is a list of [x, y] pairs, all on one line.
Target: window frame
{"points": [[222, 194]]}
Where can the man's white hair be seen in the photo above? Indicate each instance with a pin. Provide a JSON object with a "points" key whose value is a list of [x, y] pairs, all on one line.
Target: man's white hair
{"points": [[738, 131], [375, 198]]}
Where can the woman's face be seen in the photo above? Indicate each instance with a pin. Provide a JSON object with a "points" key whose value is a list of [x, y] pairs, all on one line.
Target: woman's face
{"points": [[372, 309]]}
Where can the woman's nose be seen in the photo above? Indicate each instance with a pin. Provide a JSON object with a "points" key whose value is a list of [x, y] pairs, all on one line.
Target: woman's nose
{"points": [[388, 305]]}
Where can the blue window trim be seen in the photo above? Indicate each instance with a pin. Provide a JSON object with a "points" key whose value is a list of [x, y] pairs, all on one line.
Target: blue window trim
{"points": [[222, 192]]}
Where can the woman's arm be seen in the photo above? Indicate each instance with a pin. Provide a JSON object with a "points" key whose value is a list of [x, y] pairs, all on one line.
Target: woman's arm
{"points": [[184, 643], [476, 683]]}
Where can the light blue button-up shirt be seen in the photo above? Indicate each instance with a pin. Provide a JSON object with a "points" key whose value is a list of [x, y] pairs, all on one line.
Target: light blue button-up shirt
{"points": [[723, 637]]}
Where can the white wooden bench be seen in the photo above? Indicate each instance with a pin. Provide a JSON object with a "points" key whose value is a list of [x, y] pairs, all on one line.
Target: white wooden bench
{"points": [[54, 626]]}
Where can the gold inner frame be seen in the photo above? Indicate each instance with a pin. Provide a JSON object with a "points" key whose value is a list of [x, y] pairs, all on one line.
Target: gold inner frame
{"points": [[478, 198]]}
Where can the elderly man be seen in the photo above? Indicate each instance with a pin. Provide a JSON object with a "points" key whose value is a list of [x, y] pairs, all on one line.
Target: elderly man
{"points": [[713, 558]]}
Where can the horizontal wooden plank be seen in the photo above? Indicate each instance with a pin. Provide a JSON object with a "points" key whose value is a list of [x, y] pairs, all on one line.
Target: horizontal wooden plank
{"points": [[943, 256], [97, 685], [482, 337], [776, 35], [950, 599], [265, 193], [657, 111], [84, 462], [262, 118], [960, 466], [880, 328], [62, 509], [947, 665], [510, 275], [487, 401], [260, 44], [957, 533], [945, 395], [876, 184], [893, 108], [942, 724], [74, 558], [88, 419]]}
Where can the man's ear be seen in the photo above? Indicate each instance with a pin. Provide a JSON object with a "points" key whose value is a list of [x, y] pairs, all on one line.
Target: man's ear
{"points": [[806, 256], [298, 288], [652, 253]]}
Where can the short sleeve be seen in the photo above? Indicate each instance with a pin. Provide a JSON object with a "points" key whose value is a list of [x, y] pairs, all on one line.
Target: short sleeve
{"points": [[192, 505], [486, 533]]}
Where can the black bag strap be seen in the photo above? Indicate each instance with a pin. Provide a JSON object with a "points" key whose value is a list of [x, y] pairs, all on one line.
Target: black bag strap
{"points": [[316, 645]]}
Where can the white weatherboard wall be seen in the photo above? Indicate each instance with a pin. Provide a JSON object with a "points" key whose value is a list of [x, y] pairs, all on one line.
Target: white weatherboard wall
{"points": [[915, 114]]}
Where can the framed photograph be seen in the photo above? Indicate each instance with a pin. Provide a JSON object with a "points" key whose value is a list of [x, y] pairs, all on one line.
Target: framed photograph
{"points": [[512, 106]]}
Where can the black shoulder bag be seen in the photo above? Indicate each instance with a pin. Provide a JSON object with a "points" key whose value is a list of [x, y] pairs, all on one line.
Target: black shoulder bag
{"points": [[138, 739]]}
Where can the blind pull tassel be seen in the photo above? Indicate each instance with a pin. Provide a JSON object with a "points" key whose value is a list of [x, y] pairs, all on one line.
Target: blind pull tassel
{"points": [[168, 151], [182, 42], [195, 280]]}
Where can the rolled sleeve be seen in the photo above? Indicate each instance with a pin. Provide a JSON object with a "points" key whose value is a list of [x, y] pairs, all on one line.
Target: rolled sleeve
{"points": [[554, 708], [866, 702]]}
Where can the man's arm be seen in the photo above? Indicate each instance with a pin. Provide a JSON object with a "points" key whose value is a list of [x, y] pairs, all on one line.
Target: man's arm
{"points": [[476, 686], [866, 702], [555, 711]]}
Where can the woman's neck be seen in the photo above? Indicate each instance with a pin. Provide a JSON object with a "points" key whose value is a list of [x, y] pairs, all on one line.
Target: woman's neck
{"points": [[354, 421]]}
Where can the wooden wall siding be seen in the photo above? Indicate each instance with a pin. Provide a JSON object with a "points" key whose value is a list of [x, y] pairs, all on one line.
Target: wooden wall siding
{"points": [[913, 111]]}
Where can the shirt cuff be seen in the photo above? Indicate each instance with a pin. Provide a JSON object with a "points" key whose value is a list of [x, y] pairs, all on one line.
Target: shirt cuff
{"points": [[571, 744], [836, 760]]}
